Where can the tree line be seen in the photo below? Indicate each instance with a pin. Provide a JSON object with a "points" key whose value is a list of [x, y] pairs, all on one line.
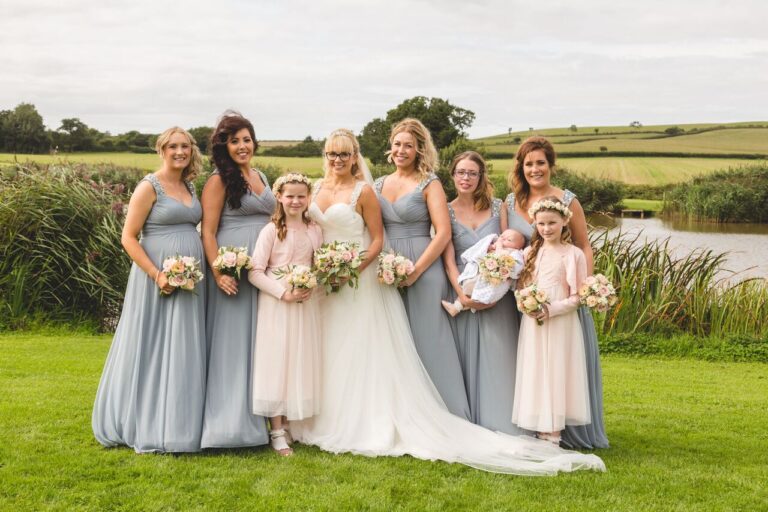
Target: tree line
{"points": [[22, 131]]}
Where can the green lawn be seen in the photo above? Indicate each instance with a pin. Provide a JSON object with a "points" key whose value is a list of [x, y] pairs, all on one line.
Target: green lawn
{"points": [[639, 170], [685, 434], [643, 204]]}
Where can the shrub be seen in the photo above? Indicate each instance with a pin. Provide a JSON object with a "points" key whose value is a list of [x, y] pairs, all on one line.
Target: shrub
{"points": [[595, 195], [60, 241], [733, 195]]}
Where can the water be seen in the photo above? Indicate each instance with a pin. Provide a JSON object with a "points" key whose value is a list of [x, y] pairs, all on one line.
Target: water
{"points": [[746, 244]]}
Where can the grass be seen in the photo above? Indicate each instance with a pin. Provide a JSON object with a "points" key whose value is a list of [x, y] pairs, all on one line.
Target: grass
{"points": [[643, 204], [644, 131], [151, 162], [686, 435], [639, 170]]}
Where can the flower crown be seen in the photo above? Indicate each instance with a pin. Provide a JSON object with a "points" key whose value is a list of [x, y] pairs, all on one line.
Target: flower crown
{"points": [[292, 177], [547, 204]]}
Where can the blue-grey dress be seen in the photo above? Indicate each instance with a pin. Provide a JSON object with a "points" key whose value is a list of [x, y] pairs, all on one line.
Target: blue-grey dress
{"points": [[580, 436], [407, 224], [487, 340], [152, 390], [231, 331]]}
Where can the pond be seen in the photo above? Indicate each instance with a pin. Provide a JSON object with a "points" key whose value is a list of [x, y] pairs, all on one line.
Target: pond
{"points": [[746, 244]]}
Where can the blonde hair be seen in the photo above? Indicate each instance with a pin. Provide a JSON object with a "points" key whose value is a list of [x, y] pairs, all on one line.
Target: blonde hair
{"points": [[482, 197], [426, 154], [278, 217], [195, 166], [516, 178], [342, 140], [525, 277]]}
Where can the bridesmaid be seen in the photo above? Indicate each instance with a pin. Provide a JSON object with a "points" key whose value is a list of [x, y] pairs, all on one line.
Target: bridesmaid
{"points": [[237, 204], [487, 339], [530, 180], [413, 201], [151, 392]]}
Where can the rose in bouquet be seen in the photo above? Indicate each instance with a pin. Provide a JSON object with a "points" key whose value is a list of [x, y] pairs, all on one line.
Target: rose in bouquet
{"points": [[530, 300], [597, 293], [231, 260], [393, 268], [337, 261], [495, 268], [297, 276], [182, 272]]}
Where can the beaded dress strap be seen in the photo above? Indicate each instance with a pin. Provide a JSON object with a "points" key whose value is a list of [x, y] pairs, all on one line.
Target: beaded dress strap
{"points": [[510, 200], [451, 213], [316, 188], [264, 178], [426, 181], [379, 184], [356, 193], [152, 179], [496, 207], [568, 196]]}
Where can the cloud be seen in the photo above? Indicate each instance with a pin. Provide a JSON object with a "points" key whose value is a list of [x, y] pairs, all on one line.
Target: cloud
{"points": [[299, 68]]}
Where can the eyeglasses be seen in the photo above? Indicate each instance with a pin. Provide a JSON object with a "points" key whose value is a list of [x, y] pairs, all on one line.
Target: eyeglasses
{"points": [[333, 155], [461, 173]]}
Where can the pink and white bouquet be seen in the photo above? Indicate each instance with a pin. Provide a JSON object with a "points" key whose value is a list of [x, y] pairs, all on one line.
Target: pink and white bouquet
{"points": [[297, 276], [530, 300], [497, 267], [393, 268], [597, 293], [182, 272], [231, 260], [337, 261]]}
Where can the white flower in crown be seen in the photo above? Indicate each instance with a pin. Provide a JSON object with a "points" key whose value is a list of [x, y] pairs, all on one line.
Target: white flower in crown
{"points": [[291, 177], [547, 204]]}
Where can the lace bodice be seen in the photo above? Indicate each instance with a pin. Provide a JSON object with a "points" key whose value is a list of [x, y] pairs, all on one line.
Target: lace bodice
{"points": [[340, 221]]}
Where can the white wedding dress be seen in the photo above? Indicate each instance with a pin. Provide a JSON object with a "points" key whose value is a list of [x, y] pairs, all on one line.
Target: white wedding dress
{"points": [[377, 398]]}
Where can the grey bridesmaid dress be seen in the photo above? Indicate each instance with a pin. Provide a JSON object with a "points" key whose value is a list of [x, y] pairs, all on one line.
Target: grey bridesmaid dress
{"points": [[577, 436], [231, 331], [487, 341], [407, 224], [152, 390]]}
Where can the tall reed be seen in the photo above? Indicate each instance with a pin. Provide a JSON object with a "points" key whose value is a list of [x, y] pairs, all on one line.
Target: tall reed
{"points": [[60, 245], [663, 293]]}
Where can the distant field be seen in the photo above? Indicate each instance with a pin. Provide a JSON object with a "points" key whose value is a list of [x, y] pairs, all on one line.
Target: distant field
{"points": [[721, 141], [638, 170], [151, 162], [585, 131]]}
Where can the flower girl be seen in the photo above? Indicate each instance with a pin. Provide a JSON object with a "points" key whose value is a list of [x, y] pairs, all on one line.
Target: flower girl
{"points": [[551, 382], [286, 356]]}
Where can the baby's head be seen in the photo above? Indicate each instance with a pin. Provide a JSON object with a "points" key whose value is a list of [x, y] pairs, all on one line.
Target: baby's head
{"points": [[511, 239]]}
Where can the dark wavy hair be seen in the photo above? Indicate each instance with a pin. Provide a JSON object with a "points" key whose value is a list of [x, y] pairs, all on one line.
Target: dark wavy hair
{"points": [[234, 183]]}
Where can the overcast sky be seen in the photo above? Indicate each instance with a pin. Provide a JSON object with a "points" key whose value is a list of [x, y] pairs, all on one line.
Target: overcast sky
{"points": [[305, 68]]}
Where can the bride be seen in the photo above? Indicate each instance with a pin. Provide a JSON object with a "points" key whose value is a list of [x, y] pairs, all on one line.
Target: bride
{"points": [[377, 398]]}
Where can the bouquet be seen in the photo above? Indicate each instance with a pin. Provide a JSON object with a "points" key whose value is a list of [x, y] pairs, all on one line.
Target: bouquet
{"points": [[495, 268], [297, 276], [597, 293], [231, 260], [182, 272], [393, 268], [335, 261], [530, 299]]}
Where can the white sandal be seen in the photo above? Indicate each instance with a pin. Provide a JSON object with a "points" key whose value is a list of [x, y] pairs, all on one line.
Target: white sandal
{"points": [[279, 443]]}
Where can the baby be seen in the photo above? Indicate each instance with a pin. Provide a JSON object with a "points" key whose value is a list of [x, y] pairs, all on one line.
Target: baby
{"points": [[470, 280]]}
